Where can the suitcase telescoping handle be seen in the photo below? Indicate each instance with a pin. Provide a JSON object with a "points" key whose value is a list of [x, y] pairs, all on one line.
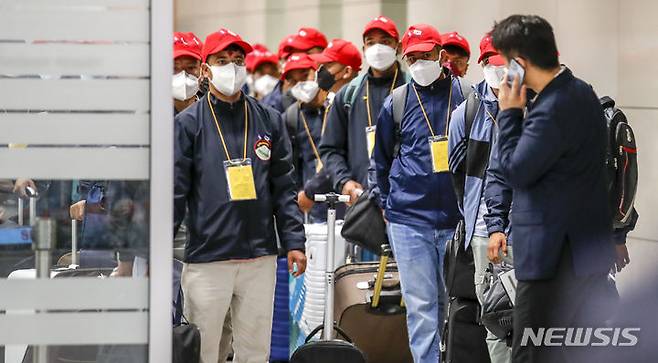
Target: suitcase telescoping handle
{"points": [[381, 273], [332, 200], [32, 194], [74, 243]]}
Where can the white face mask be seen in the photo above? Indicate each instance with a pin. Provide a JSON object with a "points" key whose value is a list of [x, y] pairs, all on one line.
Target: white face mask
{"points": [[229, 78], [184, 86], [493, 75], [265, 84], [380, 57], [305, 91], [424, 72]]}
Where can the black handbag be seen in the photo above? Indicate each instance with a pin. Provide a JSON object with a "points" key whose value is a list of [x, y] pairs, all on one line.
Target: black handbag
{"points": [[186, 343], [459, 267], [328, 351], [364, 223], [186, 337], [497, 309]]}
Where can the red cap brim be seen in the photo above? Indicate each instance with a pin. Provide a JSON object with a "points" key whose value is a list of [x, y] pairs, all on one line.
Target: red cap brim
{"points": [[497, 60], [182, 52], [321, 58], [240, 43], [420, 47], [394, 35]]}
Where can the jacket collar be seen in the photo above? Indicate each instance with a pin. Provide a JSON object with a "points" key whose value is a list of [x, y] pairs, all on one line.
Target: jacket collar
{"points": [[562, 78]]}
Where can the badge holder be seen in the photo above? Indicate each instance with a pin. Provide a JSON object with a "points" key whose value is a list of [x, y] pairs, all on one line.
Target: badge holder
{"points": [[240, 179], [318, 166], [370, 139], [439, 152]]}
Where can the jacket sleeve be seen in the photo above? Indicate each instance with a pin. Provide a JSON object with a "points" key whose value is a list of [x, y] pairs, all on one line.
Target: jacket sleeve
{"points": [[295, 140], [183, 164], [333, 146], [528, 148], [457, 146], [289, 220], [497, 195], [619, 235], [319, 184], [385, 140]]}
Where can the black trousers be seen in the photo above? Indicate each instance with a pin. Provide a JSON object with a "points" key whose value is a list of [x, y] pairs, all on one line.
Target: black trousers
{"points": [[564, 301]]}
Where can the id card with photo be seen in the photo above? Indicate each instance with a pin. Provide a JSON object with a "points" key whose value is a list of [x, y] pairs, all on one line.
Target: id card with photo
{"points": [[439, 152], [240, 179], [370, 139]]}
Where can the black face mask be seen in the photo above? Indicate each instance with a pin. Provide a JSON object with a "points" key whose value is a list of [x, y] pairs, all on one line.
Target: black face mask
{"points": [[326, 80]]}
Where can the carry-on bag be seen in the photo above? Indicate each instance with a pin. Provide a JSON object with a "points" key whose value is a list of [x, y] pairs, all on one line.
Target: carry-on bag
{"points": [[464, 339], [329, 349], [369, 299]]}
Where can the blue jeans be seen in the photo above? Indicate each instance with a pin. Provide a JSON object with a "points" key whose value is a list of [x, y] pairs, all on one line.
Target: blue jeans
{"points": [[419, 253]]}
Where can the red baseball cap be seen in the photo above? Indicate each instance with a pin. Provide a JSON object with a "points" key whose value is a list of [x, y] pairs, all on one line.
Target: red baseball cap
{"points": [[454, 38], [220, 40], [187, 44], [258, 56], [486, 47], [282, 52], [298, 61], [305, 39], [420, 38], [341, 51], [384, 24]]}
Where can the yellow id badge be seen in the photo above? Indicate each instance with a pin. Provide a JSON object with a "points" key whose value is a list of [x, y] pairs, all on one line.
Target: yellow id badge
{"points": [[370, 139], [439, 151], [240, 179]]}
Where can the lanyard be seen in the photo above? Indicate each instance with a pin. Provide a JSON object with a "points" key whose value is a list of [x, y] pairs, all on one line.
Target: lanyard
{"points": [[490, 115], [422, 108], [324, 118], [310, 137], [367, 98], [219, 130]]}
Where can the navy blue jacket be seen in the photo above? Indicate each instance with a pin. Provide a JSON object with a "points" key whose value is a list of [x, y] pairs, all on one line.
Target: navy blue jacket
{"points": [[343, 147], [412, 193], [218, 228], [311, 182], [497, 195], [469, 154], [277, 100], [554, 159]]}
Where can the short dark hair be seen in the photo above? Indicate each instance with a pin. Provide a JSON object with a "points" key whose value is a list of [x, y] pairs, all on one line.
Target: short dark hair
{"points": [[526, 36], [454, 49]]}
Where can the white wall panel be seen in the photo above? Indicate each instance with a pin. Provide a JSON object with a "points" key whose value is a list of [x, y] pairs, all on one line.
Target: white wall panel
{"points": [[75, 328], [74, 293], [108, 163], [74, 128], [74, 20], [125, 60], [74, 94]]}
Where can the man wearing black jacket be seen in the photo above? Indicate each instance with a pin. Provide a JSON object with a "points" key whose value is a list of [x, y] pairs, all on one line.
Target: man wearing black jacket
{"points": [[348, 140], [233, 172], [553, 157]]}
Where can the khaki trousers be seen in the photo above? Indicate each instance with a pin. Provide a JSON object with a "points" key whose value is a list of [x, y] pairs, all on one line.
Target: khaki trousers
{"points": [[247, 288]]}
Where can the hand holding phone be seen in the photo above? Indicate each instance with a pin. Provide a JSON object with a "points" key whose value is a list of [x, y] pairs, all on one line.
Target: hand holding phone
{"points": [[513, 70]]}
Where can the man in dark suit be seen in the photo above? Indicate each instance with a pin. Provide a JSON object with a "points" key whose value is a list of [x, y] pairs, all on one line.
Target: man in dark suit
{"points": [[554, 159]]}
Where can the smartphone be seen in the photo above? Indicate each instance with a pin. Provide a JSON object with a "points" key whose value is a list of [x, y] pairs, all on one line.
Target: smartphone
{"points": [[513, 70]]}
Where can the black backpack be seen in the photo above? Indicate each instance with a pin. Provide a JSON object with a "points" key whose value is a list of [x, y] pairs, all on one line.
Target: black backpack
{"points": [[621, 162]]}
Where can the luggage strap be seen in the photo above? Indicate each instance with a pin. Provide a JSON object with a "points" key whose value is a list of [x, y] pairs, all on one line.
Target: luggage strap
{"points": [[319, 328]]}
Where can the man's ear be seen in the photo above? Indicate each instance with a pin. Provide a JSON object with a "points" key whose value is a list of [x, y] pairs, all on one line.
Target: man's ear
{"points": [[443, 56], [398, 49], [349, 72]]}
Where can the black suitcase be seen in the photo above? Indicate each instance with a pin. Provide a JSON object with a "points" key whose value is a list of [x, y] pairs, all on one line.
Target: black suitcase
{"points": [[464, 339], [329, 349]]}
